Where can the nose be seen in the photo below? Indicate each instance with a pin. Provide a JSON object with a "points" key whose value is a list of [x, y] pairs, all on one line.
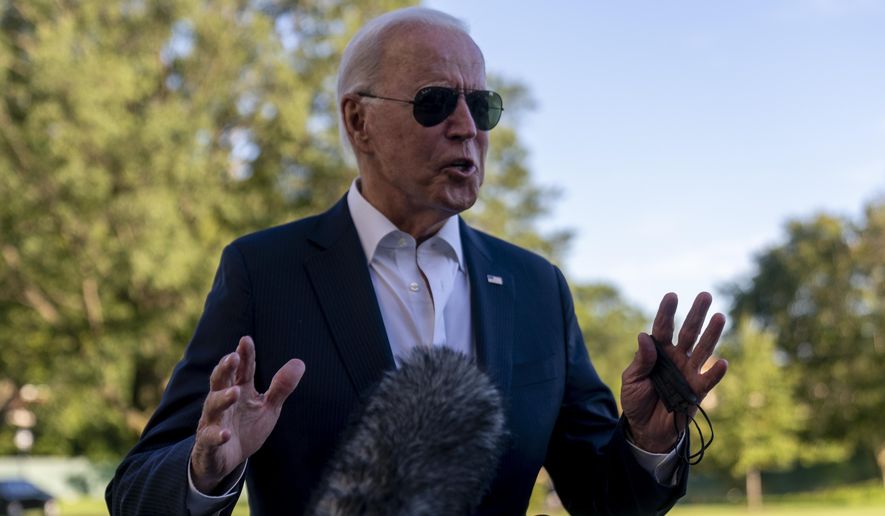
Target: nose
{"points": [[460, 125]]}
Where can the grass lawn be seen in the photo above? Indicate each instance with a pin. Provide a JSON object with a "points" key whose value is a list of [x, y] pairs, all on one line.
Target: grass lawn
{"points": [[867, 499], [776, 510], [769, 510], [97, 508]]}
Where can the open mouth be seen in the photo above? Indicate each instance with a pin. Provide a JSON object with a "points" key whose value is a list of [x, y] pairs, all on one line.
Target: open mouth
{"points": [[463, 165]]}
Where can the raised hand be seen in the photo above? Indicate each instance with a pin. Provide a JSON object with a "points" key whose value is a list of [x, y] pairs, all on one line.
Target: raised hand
{"points": [[236, 419], [651, 426]]}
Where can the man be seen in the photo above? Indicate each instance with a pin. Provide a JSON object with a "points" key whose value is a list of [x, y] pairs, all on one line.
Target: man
{"points": [[389, 267]]}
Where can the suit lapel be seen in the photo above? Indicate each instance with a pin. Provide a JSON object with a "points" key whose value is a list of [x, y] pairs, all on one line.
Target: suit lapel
{"points": [[340, 277], [492, 295]]}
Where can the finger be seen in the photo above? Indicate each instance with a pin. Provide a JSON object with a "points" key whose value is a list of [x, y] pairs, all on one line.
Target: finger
{"points": [[222, 375], [707, 344], [284, 382], [217, 402], [643, 361], [211, 436], [694, 321], [246, 352], [206, 461], [713, 376], [662, 329]]}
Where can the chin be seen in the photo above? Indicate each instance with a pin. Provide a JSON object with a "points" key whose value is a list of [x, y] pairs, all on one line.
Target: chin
{"points": [[457, 197], [459, 204]]}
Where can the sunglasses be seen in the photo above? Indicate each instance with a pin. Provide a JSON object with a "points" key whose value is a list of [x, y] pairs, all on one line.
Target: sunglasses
{"points": [[434, 104]]}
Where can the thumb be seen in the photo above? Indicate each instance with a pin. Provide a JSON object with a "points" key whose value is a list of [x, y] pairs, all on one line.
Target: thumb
{"points": [[643, 361], [284, 382]]}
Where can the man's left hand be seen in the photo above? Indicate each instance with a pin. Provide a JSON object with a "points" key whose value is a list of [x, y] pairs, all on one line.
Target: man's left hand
{"points": [[651, 426]]}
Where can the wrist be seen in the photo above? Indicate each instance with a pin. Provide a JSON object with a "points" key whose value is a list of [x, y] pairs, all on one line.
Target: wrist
{"points": [[204, 483], [650, 442]]}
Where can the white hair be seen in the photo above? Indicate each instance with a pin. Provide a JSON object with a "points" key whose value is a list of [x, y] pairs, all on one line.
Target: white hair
{"points": [[361, 61]]}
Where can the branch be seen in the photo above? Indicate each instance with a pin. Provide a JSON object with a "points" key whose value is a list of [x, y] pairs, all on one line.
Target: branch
{"points": [[33, 295], [92, 301], [17, 146]]}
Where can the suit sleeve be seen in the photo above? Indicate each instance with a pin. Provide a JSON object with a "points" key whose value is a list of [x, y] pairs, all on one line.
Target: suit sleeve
{"points": [[588, 458], [152, 479]]}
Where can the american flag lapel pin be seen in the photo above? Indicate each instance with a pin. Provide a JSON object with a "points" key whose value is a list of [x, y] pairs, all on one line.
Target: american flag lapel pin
{"points": [[494, 280]]}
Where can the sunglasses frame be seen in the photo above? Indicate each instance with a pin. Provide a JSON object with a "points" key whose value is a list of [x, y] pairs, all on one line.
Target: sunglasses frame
{"points": [[470, 96]]}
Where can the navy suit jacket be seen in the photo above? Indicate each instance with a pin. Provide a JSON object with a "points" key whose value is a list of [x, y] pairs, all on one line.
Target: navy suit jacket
{"points": [[303, 290]]}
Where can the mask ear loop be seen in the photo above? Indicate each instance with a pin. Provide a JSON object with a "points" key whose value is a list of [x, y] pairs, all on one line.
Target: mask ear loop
{"points": [[695, 458]]}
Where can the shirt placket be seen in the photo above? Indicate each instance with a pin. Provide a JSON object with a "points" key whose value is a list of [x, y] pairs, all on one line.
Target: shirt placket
{"points": [[438, 270], [416, 291]]}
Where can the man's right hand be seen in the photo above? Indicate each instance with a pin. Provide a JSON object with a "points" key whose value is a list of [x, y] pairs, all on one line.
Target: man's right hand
{"points": [[236, 419]]}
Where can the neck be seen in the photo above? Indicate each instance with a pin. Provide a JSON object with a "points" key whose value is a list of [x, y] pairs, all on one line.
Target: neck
{"points": [[420, 223]]}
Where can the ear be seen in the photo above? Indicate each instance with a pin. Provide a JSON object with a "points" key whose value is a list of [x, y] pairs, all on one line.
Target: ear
{"points": [[353, 113]]}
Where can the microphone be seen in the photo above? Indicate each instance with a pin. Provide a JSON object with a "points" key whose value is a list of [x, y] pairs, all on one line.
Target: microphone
{"points": [[427, 442]]}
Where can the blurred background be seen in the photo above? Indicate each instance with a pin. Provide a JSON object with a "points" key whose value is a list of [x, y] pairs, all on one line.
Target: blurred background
{"points": [[646, 147]]}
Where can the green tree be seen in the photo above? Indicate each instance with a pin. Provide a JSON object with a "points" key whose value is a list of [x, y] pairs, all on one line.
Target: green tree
{"points": [[869, 255], [821, 293], [758, 422], [136, 139]]}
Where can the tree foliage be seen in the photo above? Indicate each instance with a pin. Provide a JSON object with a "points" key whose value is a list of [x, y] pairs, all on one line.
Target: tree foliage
{"points": [[136, 139], [757, 420], [821, 293]]}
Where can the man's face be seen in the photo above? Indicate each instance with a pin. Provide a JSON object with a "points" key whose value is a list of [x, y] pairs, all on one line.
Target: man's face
{"points": [[417, 171]]}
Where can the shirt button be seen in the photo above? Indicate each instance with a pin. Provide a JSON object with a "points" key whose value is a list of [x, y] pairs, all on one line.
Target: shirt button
{"points": [[413, 287], [402, 242]]}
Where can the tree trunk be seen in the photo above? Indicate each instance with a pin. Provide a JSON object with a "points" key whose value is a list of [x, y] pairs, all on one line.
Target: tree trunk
{"points": [[880, 458], [754, 489]]}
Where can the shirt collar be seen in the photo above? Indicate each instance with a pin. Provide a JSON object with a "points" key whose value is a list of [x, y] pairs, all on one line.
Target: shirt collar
{"points": [[372, 226]]}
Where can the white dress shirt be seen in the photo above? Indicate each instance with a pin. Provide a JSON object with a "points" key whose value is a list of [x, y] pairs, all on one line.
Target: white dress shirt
{"points": [[422, 289]]}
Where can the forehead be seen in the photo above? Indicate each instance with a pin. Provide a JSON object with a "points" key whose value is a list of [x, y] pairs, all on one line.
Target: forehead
{"points": [[418, 55]]}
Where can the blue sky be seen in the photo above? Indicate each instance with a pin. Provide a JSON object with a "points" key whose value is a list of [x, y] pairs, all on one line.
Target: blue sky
{"points": [[684, 134]]}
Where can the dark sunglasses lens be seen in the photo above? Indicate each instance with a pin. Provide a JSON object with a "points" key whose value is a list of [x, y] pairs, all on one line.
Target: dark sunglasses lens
{"points": [[485, 108], [434, 104]]}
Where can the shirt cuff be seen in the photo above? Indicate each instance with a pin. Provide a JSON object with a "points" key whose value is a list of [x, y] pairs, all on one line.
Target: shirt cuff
{"points": [[663, 466], [199, 504]]}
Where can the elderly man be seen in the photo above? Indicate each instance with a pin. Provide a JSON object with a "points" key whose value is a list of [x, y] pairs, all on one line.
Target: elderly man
{"points": [[389, 267]]}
